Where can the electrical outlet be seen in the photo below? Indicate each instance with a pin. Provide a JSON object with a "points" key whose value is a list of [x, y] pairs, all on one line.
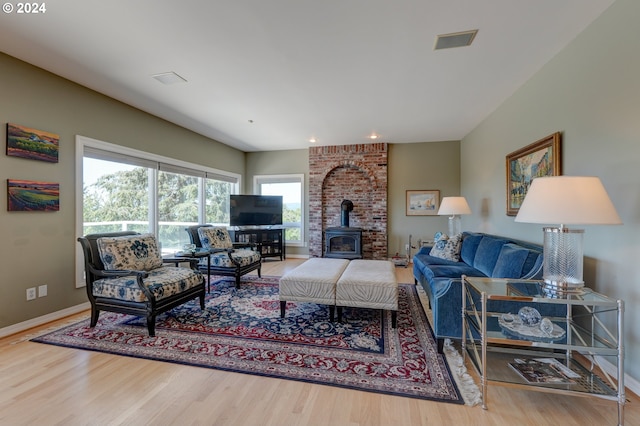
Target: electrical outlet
{"points": [[42, 290], [31, 293]]}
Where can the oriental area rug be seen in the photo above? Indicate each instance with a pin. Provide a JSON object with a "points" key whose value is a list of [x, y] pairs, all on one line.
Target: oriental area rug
{"points": [[240, 330]]}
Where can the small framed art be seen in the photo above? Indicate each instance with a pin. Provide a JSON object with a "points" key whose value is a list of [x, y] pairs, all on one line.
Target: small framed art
{"points": [[29, 195], [423, 202], [32, 144]]}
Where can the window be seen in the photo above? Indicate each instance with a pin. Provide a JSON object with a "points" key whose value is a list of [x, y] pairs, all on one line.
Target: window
{"points": [[125, 189], [291, 187]]}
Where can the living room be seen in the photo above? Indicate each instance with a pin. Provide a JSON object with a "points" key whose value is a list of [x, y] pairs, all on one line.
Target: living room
{"points": [[588, 92]]}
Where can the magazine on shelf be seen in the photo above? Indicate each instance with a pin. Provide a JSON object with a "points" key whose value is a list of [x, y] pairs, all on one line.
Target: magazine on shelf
{"points": [[543, 370]]}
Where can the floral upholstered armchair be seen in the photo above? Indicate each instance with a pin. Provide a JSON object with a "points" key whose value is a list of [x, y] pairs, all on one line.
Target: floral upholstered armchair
{"points": [[125, 273], [227, 258]]}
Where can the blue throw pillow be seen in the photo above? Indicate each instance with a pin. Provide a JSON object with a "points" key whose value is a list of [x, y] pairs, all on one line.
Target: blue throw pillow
{"points": [[510, 261]]}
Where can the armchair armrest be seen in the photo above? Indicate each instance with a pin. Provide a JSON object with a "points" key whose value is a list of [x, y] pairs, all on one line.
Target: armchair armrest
{"points": [[233, 260], [221, 250], [117, 273]]}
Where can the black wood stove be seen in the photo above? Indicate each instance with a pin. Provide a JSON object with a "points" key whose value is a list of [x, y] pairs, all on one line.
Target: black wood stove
{"points": [[343, 242]]}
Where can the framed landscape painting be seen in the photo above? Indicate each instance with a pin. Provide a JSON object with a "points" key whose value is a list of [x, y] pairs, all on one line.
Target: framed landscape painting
{"points": [[28, 195], [423, 203], [541, 158], [33, 144]]}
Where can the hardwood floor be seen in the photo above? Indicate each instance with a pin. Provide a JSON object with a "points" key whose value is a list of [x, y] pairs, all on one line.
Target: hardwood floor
{"points": [[48, 385]]}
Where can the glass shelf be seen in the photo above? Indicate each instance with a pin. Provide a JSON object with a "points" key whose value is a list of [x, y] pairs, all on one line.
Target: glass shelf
{"points": [[590, 333]]}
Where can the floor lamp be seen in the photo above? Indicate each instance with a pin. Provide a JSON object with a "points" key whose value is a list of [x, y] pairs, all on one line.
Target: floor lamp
{"points": [[454, 207], [566, 200]]}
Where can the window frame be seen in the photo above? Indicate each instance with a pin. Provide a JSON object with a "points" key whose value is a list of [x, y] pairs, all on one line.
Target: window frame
{"points": [[153, 161], [258, 180]]}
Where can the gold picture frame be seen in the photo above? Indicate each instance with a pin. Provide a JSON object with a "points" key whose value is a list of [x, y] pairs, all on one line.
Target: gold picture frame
{"points": [[541, 158], [423, 202]]}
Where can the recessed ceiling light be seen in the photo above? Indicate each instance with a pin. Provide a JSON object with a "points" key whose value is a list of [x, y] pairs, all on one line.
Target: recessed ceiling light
{"points": [[169, 78], [373, 136], [313, 140], [447, 41]]}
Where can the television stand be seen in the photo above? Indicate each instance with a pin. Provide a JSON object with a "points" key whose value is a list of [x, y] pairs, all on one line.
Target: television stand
{"points": [[269, 239]]}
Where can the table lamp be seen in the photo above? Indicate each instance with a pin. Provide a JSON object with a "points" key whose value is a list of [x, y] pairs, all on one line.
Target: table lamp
{"points": [[454, 207], [566, 200]]}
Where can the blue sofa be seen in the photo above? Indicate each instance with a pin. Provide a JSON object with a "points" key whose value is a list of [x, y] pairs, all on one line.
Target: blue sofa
{"points": [[481, 255]]}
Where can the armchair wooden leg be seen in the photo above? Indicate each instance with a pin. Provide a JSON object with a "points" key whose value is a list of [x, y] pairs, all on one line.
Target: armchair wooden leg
{"points": [[202, 301], [95, 313], [151, 325], [283, 308]]}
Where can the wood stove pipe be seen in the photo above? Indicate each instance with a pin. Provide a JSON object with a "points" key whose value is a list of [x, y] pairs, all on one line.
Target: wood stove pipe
{"points": [[346, 206]]}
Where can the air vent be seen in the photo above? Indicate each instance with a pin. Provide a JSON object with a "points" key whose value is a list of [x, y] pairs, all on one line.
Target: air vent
{"points": [[169, 78], [447, 41]]}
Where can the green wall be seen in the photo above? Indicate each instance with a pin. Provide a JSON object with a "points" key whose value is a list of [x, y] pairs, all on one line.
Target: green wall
{"points": [[38, 248], [591, 93], [420, 166], [277, 163], [427, 165]]}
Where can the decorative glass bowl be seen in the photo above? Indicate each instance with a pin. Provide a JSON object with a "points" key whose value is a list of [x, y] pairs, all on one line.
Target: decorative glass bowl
{"points": [[529, 316]]}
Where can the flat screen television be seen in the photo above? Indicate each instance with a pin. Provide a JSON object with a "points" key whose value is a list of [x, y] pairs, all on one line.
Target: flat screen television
{"points": [[255, 210]]}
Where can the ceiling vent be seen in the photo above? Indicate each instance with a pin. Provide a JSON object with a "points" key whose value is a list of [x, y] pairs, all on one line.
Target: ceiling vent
{"points": [[447, 41], [169, 78]]}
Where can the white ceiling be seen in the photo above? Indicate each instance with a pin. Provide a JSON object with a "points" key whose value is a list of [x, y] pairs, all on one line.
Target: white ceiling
{"points": [[336, 70]]}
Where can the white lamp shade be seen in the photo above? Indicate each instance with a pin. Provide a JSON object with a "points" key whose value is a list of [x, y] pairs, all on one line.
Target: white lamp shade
{"points": [[568, 200], [450, 206]]}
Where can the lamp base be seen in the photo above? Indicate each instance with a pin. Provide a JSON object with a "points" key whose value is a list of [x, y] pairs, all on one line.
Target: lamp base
{"points": [[562, 265], [455, 226], [561, 289]]}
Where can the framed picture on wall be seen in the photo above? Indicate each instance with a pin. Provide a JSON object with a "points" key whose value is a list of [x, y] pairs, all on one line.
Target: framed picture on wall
{"points": [[25, 142], [423, 202], [29, 195], [541, 158]]}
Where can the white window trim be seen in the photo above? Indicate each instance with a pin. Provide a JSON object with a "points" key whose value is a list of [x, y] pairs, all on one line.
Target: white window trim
{"points": [[283, 178], [82, 142]]}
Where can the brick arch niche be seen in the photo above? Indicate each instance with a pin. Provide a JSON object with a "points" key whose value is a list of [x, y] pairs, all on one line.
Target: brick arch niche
{"points": [[349, 172]]}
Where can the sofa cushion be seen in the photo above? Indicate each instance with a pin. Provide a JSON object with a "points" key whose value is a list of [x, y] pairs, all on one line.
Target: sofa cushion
{"points": [[469, 247], [426, 259], [244, 257], [447, 247], [162, 282], [215, 237], [487, 254], [451, 271], [130, 252], [510, 261]]}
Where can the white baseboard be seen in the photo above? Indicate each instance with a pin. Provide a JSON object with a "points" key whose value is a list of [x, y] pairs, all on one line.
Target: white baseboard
{"points": [[35, 322]]}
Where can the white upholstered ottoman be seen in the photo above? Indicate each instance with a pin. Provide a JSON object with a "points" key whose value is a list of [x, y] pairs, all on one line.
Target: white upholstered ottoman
{"points": [[313, 281], [368, 284]]}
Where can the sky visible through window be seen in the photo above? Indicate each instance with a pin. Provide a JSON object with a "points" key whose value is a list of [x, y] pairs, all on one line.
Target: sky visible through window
{"points": [[290, 192], [93, 168]]}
